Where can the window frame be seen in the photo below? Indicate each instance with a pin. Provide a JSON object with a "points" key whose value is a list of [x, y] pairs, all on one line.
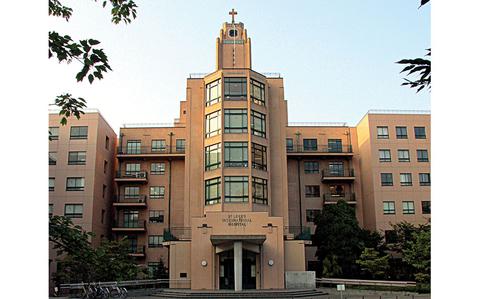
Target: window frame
{"points": [[77, 161], [227, 149], [133, 147], [313, 170], [311, 214], [132, 172], [383, 135], [75, 214], [180, 145], [50, 133], [426, 205], [385, 182], [209, 101], [52, 158], [228, 94], [80, 187], [310, 144], [422, 158], [309, 189], [387, 208], [156, 216], [158, 149], [289, 144], [254, 85], [213, 118], [407, 209], [214, 150], [261, 198], [403, 134], [262, 118], [423, 182], [403, 158], [78, 134], [229, 115], [217, 181], [161, 169], [50, 187], [335, 145], [417, 133], [384, 159], [229, 182], [131, 192], [259, 153], [404, 176], [155, 241], [153, 195]]}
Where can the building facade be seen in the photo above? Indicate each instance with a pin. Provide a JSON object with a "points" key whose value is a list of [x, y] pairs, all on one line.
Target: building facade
{"points": [[226, 195]]}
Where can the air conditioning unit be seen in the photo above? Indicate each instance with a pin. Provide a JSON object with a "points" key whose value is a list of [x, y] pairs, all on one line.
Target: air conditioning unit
{"points": [[140, 175]]}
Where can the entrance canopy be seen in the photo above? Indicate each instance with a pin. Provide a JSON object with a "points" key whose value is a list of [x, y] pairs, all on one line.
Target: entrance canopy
{"points": [[253, 239]]}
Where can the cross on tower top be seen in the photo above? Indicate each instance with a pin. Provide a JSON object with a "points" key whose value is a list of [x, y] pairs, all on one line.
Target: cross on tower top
{"points": [[233, 13]]}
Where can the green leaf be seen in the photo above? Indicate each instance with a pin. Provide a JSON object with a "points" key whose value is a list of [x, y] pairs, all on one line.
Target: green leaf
{"points": [[93, 42], [90, 78]]}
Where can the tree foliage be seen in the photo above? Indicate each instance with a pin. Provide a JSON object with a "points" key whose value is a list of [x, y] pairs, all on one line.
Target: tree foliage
{"points": [[372, 263], [78, 261], [417, 253], [93, 60]]}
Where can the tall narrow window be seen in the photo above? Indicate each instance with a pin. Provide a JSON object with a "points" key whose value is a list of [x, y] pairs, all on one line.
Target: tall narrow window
{"points": [[235, 88], [157, 168], [385, 155], [155, 216], [77, 158], [422, 155], [405, 179], [214, 91], [420, 133], [107, 143], [310, 145], [424, 179], [53, 133], [50, 209], [159, 145], [79, 132], [257, 92], [386, 179], [51, 184], [312, 191], [258, 121], [75, 184], [425, 207], [155, 241], [335, 168], [134, 147], [236, 189], [259, 156], [213, 125], [388, 207], [213, 159], [213, 191], [382, 132], [236, 154], [105, 166], [334, 145], [403, 155], [289, 142], [104, 190], [236, 121], [52, 158], [312, 214], [180, 145], [73, 211], [401, 132], [259, 190]]}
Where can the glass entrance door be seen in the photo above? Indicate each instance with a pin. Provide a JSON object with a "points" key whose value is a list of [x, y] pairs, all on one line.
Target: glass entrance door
{"points": [[227, 271]]}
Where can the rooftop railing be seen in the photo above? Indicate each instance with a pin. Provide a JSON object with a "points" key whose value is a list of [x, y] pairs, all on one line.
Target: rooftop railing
{"points": [[320, 149], [299, 233], [154, 125], [317, 124], [393, 111]]}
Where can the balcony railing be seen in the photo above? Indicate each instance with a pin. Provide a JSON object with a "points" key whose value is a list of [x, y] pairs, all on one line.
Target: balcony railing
{"points": [[320, 149], [299, 233], [138, 224], [125, 198], [148, 150], [181, 233], [142, 174], [333, 198], [326, 173], [136, 250]]}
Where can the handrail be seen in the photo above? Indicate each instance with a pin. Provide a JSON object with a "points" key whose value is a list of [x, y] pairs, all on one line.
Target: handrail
{"points": [[142, 174], [338, 173], [130, 224], [320, 149], [139, 198], [336, 197], [149, 150], [366, 282], [399, 111], [126, 283]]}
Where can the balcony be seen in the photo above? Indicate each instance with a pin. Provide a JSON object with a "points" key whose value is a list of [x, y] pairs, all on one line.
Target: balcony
{"points": [[330, 175], [149, 152], [137, 251], [297, 232], [130, 226], [123, 200], [131, 176], [330, 198], [320, 150], [178, 233]]}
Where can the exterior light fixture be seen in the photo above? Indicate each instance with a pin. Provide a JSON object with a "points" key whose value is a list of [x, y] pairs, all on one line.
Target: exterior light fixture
{"points": [[204, 263], [270, 262]]}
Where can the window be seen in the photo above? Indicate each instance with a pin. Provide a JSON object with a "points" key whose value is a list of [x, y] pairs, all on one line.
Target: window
{"points": [[213, 191], [107, 143], [403, 155], [155, 216], [159, 145], [425, 207], [236, 121], [157, 192], [157, 168], [236, 189], [289, 144], [154, 241], [334, 145], [311, 167], [134, 147], [236, 154], [259, 156], [75, 184], [51, 184], [52, 158], [79, 132], [422, 156], [53, 133], [213, 93], [310, 145], [335, 168], [232, 32], [386, 179], [382, 132], [73, 210], [258, 124], [260, 190], [401, 132], [105, 166], [385, 155], [405, 179], [424, 179], [235, 88], [77, 158], [104, 190], [388, 207], [50, 210], [257, 92], [130, 219], [213, 159], [312, 191], [180, 145], [132, 192], [132, 168], [312, 214], [103, 217], [213, 125], [408, 207], [420, 133]]}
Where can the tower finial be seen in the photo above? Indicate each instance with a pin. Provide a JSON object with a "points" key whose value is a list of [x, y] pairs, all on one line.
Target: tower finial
{"points": [[233, 13]]}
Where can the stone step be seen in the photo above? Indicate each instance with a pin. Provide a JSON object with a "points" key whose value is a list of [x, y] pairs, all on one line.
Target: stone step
{"points": [[303, 293]]}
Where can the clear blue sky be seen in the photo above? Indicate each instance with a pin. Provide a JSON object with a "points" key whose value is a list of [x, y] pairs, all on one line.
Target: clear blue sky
{"points": [[336, 57]]}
